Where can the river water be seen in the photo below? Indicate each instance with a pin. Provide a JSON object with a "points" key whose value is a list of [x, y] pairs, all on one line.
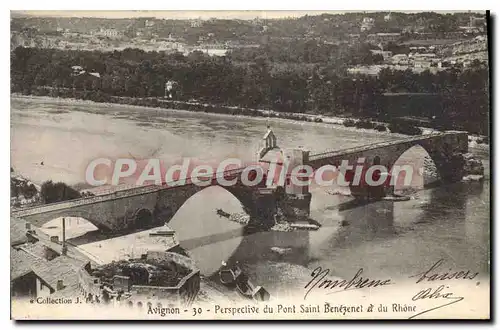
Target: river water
{"points": [[384, 238]]}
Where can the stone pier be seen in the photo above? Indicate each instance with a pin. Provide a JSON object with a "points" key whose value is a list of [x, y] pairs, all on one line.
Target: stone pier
{"points": [[296, 200]]}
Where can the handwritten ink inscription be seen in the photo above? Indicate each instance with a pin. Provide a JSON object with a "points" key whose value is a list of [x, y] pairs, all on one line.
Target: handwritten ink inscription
{"points": [[356, 282], [432, 274], [442, 293]]}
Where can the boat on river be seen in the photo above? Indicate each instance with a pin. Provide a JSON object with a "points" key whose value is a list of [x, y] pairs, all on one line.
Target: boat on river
{"points": [[248, 290], [234, 276], [229, 275], [221, 213]]}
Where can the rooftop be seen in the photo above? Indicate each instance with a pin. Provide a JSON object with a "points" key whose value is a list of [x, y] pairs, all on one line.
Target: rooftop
{"points": [[119, 248], [17, 231], [61, 268]]}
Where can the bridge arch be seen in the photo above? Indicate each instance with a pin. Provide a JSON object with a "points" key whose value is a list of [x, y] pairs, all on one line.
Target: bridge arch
{"points": [[205, 234], [421, 162], [40, 220], [444, 152], [172, 200], [107, 215]]}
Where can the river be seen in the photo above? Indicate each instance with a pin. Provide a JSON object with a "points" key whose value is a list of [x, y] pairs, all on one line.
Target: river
{"points": [[384, 238]]}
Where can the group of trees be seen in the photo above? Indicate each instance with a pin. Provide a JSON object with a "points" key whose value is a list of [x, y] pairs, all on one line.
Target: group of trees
{"points": [[135, 73], [51, 192], [308, 51], [258, 81], [22, 188], [452, 99]]}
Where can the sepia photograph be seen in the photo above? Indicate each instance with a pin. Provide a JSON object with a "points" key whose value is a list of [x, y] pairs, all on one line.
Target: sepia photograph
{"points": [[250, 165]]}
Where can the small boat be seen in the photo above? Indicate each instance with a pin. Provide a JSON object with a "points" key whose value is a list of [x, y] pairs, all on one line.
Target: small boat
{"points": [[261, 294], [234, 275], [229, 275], [250, 291], [244, 287], [221, 213]]}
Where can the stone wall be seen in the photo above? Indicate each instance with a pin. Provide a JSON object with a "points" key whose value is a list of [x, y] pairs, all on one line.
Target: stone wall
{"points": [[184, 293]]}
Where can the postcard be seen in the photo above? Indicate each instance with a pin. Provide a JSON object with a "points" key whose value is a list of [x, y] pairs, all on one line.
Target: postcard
{"points": [[250, 165]]}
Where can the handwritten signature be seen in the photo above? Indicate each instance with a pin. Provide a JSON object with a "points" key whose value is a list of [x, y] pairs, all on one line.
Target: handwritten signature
{"points": [[357, 282], [435, 294], [432, 274]]}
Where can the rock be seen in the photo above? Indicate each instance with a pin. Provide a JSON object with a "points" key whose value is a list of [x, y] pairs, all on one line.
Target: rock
{"points": [[472, 166], [307, 226], [282, 227], [243, 219]]}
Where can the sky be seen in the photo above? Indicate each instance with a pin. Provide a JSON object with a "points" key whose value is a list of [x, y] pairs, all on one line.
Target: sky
{"points": [[177, 14], [249, 14]]}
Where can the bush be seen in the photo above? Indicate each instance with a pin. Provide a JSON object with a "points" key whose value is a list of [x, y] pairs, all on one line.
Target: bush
{"points": [[22, 188], [349, 123], [57, 192], [364, 124], [29, 191], [404, 128]]}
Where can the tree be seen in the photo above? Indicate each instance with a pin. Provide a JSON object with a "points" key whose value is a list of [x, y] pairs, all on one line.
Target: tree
{"points": [[57, 192]]}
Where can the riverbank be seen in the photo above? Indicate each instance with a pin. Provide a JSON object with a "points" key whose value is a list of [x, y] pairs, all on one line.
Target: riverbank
{"points": [[222, 111]]}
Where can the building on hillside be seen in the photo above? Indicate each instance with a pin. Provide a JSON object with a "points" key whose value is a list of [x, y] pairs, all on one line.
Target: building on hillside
{"points": [[400, 59], [77, 69], [367, 24], [388, 36], [109, 33], [212, 49], [196, 23], [478, 22]]}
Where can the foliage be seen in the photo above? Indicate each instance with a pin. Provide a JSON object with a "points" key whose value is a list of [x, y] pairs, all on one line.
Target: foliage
{"points": [[400, 126], [349, 123], [57, 192], [133, 76], [19, 187], [364, 124]]}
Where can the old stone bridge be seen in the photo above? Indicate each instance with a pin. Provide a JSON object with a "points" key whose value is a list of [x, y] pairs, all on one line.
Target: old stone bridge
{"points": [[148, 206]]}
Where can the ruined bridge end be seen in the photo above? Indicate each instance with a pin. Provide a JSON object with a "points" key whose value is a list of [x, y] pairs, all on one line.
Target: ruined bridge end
{"points": [[443, 148]]}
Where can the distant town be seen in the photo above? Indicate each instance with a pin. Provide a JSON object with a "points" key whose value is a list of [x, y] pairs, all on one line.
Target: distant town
{"points": [[400, 41]]}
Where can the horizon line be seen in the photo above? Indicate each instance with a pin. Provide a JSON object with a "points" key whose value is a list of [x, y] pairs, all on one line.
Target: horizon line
{"points": [[208, 14]]}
